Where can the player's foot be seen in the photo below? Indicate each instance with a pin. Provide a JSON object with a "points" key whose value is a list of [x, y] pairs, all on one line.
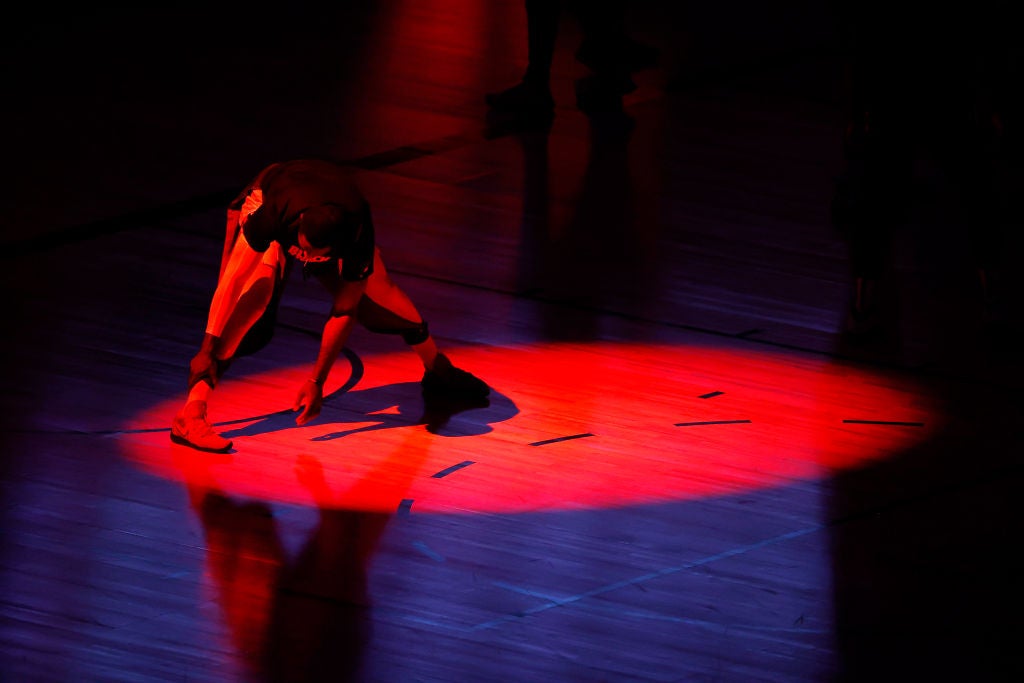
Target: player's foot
{"points": [[191, 428], [444, 379]]}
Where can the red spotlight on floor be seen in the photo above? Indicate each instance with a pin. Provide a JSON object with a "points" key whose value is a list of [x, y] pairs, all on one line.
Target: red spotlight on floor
{"points": [[568, 425]]}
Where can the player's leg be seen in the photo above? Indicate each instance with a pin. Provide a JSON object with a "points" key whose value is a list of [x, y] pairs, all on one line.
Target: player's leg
{"points": [[386, 308], [249, 326]]}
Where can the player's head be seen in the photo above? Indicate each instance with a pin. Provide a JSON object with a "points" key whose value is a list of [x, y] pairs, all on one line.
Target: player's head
{"points": [[322, 226], [319, 232]]}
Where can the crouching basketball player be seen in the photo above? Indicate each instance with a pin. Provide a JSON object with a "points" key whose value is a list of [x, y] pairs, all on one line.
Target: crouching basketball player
{"points": [[307, 211]]}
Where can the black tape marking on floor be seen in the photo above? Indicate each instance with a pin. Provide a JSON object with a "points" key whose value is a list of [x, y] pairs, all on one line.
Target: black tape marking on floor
{"points": [[561, 438], [712, 422], [711, 394], [454, 468], [405, 507]]}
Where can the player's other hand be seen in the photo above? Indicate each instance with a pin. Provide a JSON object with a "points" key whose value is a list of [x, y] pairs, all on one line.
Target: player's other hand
{"points": [[309, 400]]}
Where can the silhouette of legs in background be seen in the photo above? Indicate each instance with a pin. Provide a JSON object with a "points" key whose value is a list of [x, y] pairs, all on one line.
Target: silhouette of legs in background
{"points": [[933, 99], [605, 49]]}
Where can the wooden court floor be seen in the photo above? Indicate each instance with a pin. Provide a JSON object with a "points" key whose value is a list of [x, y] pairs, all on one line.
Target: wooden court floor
{"points": [[686, 470]]}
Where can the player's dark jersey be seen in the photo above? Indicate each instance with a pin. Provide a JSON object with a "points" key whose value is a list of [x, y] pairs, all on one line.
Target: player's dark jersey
{"points": [[272, 203]]}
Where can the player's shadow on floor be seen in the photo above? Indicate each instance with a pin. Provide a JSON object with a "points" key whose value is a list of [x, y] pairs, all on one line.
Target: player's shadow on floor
{"points": [[389, 406]]}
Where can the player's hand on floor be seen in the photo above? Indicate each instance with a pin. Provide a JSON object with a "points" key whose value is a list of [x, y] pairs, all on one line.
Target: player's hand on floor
{"points": [[309, 399]]}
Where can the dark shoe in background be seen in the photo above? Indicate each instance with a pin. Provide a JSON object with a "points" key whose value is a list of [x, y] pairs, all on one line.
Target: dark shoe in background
{"points": [[524, 99], [520, 108]]}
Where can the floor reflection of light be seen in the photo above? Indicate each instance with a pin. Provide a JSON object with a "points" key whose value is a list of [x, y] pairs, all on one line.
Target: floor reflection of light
{"points": [[568, 426]]}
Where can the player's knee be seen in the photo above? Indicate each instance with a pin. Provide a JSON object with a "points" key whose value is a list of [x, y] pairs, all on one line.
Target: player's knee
{"points": [[416, 335]]}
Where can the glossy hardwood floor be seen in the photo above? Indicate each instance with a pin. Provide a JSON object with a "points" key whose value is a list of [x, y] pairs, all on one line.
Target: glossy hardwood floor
{"points": [[686, 470]]}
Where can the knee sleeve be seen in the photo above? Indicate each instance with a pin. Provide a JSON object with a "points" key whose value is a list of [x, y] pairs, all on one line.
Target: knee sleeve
{"points": [[376, 318], [416, 335]]}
